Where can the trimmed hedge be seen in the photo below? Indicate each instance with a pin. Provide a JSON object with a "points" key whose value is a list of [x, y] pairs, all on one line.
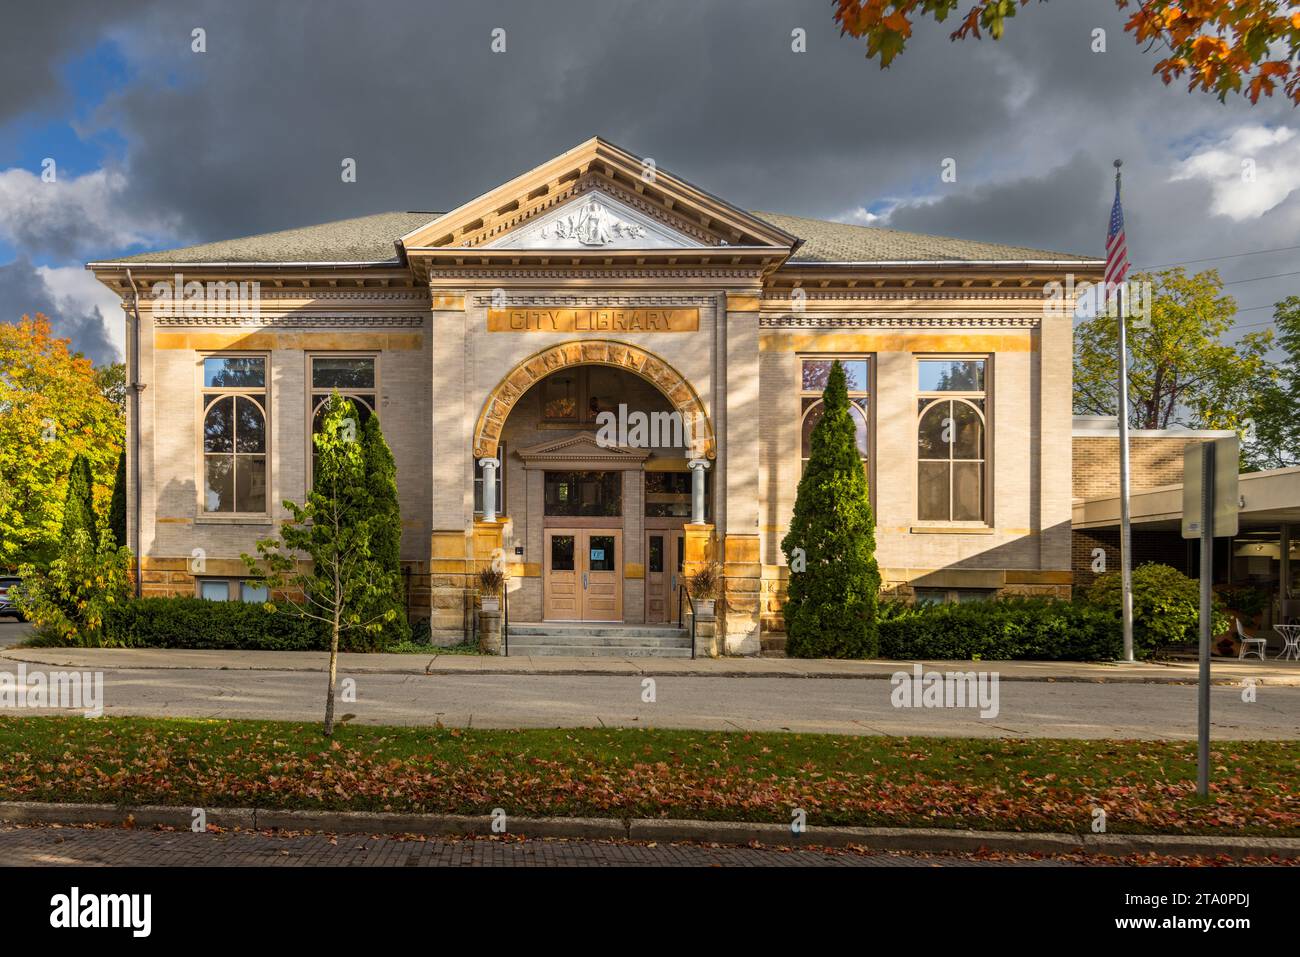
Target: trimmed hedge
{"points": [[198, 623], [1042, 629]]}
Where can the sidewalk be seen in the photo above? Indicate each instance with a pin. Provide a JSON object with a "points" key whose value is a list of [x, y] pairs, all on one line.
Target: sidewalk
{"points": [[1224, 671]]}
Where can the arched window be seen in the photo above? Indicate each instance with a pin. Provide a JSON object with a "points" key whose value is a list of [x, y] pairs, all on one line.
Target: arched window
{"points": [[814, 373], [353, 377], [234, 434], [952, 437]]}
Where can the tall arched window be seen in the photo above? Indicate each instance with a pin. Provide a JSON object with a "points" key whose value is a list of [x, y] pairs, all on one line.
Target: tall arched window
{"points": [[952, 440], [814, 373], [234, 434], [353, 377]]}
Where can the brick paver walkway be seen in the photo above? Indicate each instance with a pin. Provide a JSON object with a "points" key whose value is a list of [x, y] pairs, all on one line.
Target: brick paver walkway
{"points": [[89, 846]]}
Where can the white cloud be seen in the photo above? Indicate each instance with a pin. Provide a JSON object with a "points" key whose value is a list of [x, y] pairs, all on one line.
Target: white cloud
{"points": [[77, 292], [71, 216], [1248, 173]]}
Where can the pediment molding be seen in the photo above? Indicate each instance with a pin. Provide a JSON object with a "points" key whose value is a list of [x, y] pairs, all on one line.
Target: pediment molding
{"points": [[582, 450], [651, 195]]}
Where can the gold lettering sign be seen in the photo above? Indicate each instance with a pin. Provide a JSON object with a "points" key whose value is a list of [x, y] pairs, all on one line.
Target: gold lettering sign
{"points": [[593, 320]]}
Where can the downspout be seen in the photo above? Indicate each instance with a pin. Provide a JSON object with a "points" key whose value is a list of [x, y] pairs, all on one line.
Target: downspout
{"points": [[136, 388]]}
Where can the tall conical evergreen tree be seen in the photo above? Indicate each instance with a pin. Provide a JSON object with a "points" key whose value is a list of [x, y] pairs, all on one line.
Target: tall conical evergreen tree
{"points": [[386, 531], [79, 506], [830, 611], [117, 505]]}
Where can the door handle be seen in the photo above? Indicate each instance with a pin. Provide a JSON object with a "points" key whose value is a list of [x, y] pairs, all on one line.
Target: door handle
{"points": [[674, 584], [584, 579]]}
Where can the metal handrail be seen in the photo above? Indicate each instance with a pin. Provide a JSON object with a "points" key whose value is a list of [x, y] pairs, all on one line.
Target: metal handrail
{"points": [[681, 590], [505, 617]]}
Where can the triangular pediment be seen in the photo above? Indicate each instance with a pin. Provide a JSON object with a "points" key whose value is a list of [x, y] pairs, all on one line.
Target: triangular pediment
{"points": [[595, 220], [596, 198], [583, 447]]}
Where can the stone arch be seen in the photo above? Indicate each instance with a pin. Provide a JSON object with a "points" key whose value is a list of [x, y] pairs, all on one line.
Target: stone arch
{"points": [[621, 355]]}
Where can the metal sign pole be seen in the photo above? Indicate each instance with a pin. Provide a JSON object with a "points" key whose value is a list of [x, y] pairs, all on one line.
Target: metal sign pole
{"points": [[1207, 612]]}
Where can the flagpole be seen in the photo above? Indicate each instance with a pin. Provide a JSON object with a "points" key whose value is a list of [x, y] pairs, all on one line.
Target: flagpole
{"points": [[1125, 529]]}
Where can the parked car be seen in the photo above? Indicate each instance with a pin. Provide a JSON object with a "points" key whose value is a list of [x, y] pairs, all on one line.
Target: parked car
{"points": [[9, 585]]}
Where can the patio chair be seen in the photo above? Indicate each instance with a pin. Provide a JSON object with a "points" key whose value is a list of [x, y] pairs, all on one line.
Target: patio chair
{"points": [[1250, 645]]}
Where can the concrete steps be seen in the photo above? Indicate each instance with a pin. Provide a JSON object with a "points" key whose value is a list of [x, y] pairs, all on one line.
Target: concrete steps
{"points": [[596, 639]]}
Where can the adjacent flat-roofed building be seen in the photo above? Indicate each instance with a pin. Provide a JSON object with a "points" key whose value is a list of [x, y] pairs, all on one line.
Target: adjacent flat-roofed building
{"points": [[610, 375]]}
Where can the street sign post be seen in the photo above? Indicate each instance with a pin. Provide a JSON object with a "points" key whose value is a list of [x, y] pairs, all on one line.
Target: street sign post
{"points": [[1210, 501]]}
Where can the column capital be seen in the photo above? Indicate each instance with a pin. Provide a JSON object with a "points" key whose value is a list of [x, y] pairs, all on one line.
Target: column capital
{"points": [[698, 464], [490, 463]]}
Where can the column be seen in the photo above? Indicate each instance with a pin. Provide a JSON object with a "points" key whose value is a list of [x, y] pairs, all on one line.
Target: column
{"points": [[489, 466], [698, 467]]}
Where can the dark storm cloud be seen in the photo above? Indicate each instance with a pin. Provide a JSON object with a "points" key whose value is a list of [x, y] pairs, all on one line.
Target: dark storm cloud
{"points": [[249, 136], [24, 292]]}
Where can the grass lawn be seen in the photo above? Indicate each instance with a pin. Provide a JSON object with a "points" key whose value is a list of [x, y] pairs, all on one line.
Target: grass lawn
{"points": [[1030, 785]]}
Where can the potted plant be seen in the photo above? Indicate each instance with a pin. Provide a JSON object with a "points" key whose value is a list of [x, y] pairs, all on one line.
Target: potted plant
{"points": [[490, 582], [704, 586]]}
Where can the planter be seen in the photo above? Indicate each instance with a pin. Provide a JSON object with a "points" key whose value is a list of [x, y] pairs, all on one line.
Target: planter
{"points": [[490, 603], [704, 607]]}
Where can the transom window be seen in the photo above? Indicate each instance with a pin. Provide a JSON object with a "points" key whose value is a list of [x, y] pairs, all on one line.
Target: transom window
{"points": [[815, 373], [353, 377], [234, 434], [668, 494], [952, 437], [587, 494]]}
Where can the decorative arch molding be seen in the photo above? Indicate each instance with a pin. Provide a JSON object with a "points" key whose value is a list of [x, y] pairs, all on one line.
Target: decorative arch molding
{"points": [[601, 352]]}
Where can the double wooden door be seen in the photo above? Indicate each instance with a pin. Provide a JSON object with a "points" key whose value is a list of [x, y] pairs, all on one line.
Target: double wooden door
{"points": [[583, 575]]}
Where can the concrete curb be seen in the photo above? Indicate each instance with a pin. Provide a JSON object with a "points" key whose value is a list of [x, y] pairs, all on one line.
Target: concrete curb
{"points": [[924, 840]]}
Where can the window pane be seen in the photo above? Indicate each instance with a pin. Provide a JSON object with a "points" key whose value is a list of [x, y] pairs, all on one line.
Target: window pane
{"points": [[361, 405], [252, 592], [932, 491], [600, 553], [968, 432], [559, 397], [239, 372], [218, 483], [250, 483], [656, 553], [214, 591], [815, 374], [968, 491], [219, 426], [342, 373], [809, 423], [250, 426], [855, 372], [931, 596], [583, 493], [860, 427], [561, 553], [930, 436], [668, 494], [951, 375]]}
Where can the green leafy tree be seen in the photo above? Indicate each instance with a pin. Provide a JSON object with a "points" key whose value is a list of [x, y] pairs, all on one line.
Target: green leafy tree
{"points": [[830, 611], [1273, 439], [79, 506], [323, 567], [52, 409], [386, 534], [1180, 370], [69, 600], [117, 504]]}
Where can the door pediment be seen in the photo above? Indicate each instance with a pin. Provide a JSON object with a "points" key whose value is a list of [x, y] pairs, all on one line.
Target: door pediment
{"points": [[582, 451]]}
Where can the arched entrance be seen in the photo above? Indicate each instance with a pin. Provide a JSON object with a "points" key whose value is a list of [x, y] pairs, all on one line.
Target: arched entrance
{"points": [[491, 420], [589, 449]]}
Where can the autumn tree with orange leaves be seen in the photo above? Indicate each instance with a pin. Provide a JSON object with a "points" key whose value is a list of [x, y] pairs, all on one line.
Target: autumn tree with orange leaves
{"points": [[1246, 47], [52, 408]]}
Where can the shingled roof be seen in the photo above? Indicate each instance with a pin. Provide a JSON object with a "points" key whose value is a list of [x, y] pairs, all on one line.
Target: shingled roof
{"points": [[371, 240]]}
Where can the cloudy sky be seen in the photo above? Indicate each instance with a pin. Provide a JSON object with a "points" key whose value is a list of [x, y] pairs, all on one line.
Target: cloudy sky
{"points": [[155, 145]]}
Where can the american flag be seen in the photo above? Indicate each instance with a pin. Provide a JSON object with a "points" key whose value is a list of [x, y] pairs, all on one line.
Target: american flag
{"points": [[1116, 246]]}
